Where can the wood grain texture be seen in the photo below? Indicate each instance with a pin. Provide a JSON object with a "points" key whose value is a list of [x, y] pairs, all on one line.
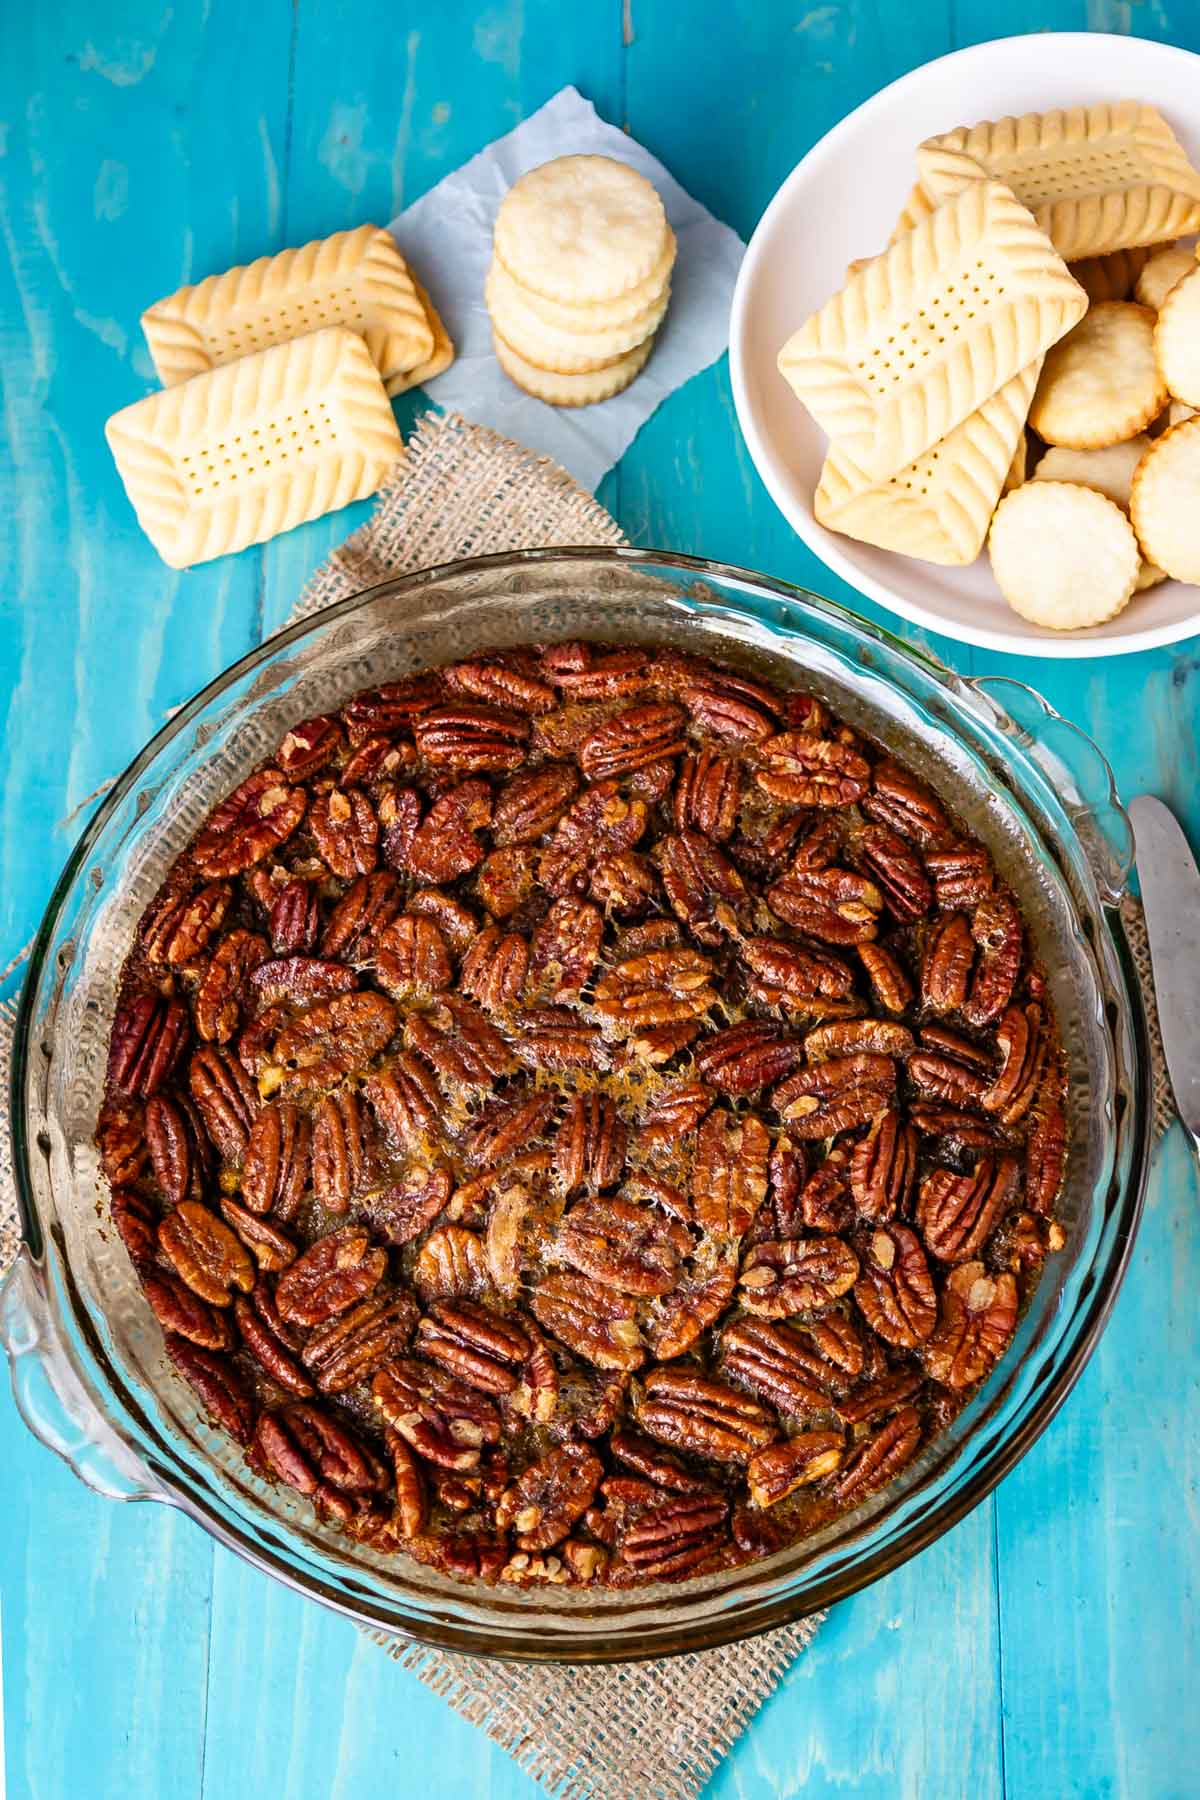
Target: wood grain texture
{"points": [[1049, 1647]]}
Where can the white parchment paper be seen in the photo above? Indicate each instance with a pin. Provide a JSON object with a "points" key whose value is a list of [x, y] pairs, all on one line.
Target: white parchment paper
{"points": [[447, 235]]}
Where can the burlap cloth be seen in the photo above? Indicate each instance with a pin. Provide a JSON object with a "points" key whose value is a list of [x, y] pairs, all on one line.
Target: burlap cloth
{"points": [[652, 1730]]}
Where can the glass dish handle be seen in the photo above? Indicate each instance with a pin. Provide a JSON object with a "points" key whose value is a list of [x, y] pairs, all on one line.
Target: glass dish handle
{"points": [[1076, 769], [52, 1399]]}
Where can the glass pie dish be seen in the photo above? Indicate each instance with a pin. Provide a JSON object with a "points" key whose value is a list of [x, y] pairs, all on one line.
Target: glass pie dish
{"points": [[89, 1372]]}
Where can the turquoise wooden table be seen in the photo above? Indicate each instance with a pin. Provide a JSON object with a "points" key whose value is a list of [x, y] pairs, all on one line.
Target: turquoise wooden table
{"points": [[1050, 1645]]}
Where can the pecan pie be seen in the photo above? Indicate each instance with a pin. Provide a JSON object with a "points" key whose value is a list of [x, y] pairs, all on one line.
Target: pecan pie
{"points": [[583, 1115]]}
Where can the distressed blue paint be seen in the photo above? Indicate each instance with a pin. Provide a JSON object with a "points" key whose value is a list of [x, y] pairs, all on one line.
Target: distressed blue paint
{"points": [[1048, 1647]]}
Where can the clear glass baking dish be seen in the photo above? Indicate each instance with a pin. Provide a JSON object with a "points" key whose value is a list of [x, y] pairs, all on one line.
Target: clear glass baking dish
{"points": [[88, 1370]]}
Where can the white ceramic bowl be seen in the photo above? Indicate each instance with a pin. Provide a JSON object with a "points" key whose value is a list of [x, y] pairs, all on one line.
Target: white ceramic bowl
{"points": [[842, 201]]}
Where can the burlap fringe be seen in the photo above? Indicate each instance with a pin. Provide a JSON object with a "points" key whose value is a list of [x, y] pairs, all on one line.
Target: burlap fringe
{"points": [[652, 1730]]}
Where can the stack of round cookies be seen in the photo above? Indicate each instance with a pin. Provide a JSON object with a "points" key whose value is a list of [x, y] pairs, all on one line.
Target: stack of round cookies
{"points": [[580, 278]]}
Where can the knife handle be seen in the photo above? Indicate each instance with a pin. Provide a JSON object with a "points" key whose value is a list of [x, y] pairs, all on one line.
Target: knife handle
{"points": [[1077, 771]]}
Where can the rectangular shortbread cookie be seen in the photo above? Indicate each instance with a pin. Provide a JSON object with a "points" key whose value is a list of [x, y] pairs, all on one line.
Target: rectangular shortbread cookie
{"points": [[918, 206], [939, 507], [921, 337], [1096, 178], [439, 359], [235, 456], [355, 278]]}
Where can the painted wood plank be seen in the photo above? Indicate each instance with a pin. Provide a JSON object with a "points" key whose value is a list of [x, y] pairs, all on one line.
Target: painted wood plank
{"points": [[105, 1635]]}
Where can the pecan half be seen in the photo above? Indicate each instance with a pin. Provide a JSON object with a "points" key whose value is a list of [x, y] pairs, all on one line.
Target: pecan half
{"points": [[494, 969], [532, 803], [745, 1057], [835, 905], [796, 977], [702, 885], [269, 1348], [272, 1250], [997, 930], [506, 879], [337, 1272], [704, 1290], [895, 1290], [631, 739], [257, 817], [148, 1038], [405, 1208], [178, 1308], [796, 1275], [411, 958], [707, 792], [883, 1167], [1045, 1158], [475, 1345], [275, 1169], [217, 1383], [692, 1413], [406, 1102], [805, 770], [673, 1113], [362, 912], [205, 1253], [836, 1096], [976, 1320], [897, 871], [565, 948], [446, 844], [889, 983], [729, 1176], [478, 738], [881, 1457], [180, 925], [346, 832], [445, 1421], [596, 1321], [1019, 1039], [589, 1148], [676, 1537], [342, 1150], [486, 678], [450, 1266], [179, 1153], [957, 1213], [334, 1037], [542, 1504], [774, 1473], [777, 1364], [456, 1040], [961, 876], [355, 1344], [623, 1245], [897, 799], [660, 988]]}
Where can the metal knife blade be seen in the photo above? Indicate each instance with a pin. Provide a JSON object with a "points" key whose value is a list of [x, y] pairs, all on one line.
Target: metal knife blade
{"points": [[1171, 896]]}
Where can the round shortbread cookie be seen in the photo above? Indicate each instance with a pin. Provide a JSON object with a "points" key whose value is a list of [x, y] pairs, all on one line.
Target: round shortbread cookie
{"points": [[599, 315], [1160, 274], [581, 228], [1110, 472], [1166, 499], [1100, 383], [1063, 556], [563, 352], [571, 390], [1177, 340]]}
